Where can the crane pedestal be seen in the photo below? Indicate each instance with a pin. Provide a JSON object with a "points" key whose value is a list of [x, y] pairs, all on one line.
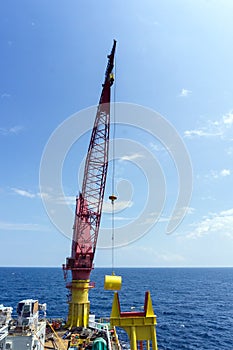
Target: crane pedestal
{"points": [[79, 305]]}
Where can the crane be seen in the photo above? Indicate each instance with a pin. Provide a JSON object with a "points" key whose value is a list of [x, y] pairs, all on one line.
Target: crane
{"points": [[88, 210]]}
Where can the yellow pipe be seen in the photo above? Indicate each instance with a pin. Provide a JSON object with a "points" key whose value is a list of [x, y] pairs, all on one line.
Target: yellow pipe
{"points": [[133, 339], [153, 338]]}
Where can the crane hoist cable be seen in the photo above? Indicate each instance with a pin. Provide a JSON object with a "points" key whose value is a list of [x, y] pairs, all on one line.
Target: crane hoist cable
{"points": [[113, 196]]}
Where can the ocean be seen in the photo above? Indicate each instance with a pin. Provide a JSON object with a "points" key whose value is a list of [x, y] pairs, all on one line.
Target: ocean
{"points": [[194, 306]]}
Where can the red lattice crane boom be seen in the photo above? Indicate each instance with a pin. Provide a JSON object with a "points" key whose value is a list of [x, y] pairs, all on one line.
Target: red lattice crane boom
{"points": [[89, 206]]}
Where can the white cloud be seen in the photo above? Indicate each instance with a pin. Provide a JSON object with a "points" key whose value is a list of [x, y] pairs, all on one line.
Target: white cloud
{"points": [[199, 133], [221, 223], [217, 128], [190, 210], [228, 119], [43, 195], [214, 174], [23, 193], [16, 129], [225, 172], [5, 95], [53, 197], [169, 257], [70, 200], [209, 198], [153, 216], [147, 21], [163, 256], [12, 226], [11, 131], [185, 93], [131, 157], [144, 256], [118, 206], [123, 218], [229, 151], [156, 147], [155, 257]]}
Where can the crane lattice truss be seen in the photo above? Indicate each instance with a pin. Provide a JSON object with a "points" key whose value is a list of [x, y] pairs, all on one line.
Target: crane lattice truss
{"points": [[91, 197], [90, 201]]}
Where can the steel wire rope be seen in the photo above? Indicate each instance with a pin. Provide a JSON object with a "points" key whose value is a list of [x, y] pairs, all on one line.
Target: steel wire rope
{"points": [[113, 197]]}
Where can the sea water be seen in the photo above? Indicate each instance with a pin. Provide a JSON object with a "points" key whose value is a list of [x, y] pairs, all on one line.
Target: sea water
{"points": [[194, 306]]}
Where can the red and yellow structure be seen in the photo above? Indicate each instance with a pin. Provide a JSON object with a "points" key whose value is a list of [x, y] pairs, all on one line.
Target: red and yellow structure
{"points": [[89, 207]]}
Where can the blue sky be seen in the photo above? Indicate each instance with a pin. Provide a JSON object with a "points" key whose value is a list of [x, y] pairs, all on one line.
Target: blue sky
{"points": [[174, 57]]}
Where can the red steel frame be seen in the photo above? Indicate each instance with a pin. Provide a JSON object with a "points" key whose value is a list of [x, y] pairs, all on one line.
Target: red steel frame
{"points": [[90, 200]]}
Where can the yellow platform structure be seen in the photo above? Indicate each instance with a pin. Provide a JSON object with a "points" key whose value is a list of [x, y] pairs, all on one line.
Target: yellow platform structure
{"points": [[140, 326]]}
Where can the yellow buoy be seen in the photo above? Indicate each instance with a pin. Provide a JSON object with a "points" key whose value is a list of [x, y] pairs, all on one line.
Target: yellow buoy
{"points": [[112, 282]]}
